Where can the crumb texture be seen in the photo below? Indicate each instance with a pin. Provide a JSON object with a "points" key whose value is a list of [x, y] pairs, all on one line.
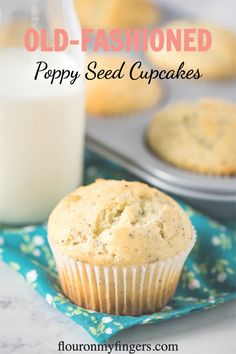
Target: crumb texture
{"points": [[119, 223], [197, 136]]}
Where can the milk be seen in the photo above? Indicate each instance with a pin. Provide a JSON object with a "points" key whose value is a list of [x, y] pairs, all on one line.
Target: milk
{"points": [[41, 136]]}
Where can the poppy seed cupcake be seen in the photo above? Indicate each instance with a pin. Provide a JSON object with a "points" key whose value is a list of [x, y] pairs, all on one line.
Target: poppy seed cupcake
{"points": [[119, 246], [196, 136], [116, 97], [217, 63], [112, 14]]}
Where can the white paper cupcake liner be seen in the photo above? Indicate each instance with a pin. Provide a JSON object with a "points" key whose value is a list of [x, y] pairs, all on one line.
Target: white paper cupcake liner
{"points": [[120, 290]]}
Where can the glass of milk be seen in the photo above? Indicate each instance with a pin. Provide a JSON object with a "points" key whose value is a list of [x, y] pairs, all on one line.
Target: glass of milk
{"points": [[41, 124]]}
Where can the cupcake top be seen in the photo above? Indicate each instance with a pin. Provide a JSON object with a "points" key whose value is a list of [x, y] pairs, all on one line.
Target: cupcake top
{"points": [[119, 223], [117, 13], [119, 96], [197, 136], [216, 63]]}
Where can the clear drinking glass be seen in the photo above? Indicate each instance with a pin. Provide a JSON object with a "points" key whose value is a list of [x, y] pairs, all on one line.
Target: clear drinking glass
{"points": [[41, 124]]}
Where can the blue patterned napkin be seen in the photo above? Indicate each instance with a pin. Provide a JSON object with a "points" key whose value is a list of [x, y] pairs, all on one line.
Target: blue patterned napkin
{"points": [[208, 279]]}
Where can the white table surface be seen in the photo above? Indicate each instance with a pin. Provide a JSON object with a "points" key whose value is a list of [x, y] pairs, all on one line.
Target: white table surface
{"points": [[28, 325]]}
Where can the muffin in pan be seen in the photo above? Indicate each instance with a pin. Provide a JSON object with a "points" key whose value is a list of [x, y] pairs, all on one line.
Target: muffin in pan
{"points": [[122, 96], [119, 246], [11, 33], [196, 136], [219, 62], [111, 14]]}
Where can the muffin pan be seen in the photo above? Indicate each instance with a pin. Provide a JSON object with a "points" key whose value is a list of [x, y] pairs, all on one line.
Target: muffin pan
{"points": [[123, 140]]}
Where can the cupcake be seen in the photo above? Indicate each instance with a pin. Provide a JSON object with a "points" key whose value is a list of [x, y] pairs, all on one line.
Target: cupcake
{"points": [[119, 246], [196, 136], [115, 97], [214, 64], [109, 14]]}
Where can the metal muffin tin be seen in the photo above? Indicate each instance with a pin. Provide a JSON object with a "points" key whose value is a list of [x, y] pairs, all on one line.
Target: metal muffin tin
{"points": [[123, 140]]}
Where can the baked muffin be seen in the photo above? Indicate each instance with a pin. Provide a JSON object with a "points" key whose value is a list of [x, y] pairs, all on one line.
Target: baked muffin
{"points": [[111, 14], [11, 33], [216, 63], [197, 136], [119, 96], [119, 246]]}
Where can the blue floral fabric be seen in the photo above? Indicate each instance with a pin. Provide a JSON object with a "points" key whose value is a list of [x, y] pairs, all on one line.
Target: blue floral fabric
{"points": [[208, 278]]}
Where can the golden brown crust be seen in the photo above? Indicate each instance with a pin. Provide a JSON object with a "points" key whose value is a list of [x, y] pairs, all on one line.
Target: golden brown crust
{"points": [[199, 136], [119, 223]]}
